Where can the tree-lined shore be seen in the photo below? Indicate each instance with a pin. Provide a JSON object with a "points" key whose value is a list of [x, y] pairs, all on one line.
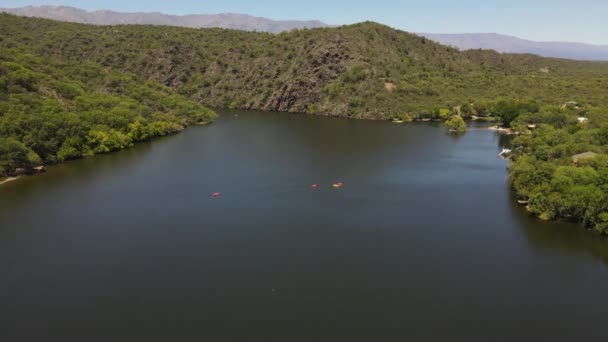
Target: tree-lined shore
{"points": [[70, 91]]}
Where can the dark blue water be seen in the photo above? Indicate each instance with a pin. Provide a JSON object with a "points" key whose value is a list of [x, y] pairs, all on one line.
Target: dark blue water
{"points": [[423, 242]]}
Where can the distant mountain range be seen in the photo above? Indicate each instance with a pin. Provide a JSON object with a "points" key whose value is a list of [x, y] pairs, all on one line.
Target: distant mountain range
{"points": [[105, 17], [504, 43], [492, 41]]}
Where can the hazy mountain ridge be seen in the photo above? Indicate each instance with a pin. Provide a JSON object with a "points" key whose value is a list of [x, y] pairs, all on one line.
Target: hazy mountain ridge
{"points": [[510, 44], [465, 41], [106, 17]]}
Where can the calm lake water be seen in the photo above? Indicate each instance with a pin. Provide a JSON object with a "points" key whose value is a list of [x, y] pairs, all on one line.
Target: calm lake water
{"points": [[423, 242]]}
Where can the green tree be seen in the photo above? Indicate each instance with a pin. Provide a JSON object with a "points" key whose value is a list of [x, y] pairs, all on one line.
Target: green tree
{"points": [[14, 155], [456, 124]]}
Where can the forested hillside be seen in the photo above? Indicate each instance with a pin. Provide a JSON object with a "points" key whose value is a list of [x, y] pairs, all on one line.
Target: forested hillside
{"points": [[71, 90], [365, 70], [52, 110]]}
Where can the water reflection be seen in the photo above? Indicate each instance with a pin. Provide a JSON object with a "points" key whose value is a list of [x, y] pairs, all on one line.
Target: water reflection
{"points": [[563, 237], [79, 171]]}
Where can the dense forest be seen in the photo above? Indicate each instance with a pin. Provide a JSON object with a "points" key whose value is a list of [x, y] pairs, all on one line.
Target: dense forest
{"points": [[51, 111], [560, 163], [364, 70], [70, 90]]}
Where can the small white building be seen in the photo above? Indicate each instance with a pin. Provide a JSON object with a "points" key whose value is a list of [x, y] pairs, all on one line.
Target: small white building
{"points": [[582, 119]]}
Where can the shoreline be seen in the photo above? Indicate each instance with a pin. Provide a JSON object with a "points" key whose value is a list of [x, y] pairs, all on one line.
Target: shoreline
{"points": [[42, 169], [207, 123], [9, 179], [500, 129]]}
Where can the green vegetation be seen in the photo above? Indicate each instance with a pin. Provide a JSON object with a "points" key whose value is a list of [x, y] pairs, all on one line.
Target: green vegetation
{"points": [[364, 71], [456, 124], [13, 155], [51, 111], [507, 111], [70, 91], [403, 118], [544, 171], [406, 118]]}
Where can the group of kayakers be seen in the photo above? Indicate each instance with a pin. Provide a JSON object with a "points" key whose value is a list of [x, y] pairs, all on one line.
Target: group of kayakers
{"points": [[337, 185]]}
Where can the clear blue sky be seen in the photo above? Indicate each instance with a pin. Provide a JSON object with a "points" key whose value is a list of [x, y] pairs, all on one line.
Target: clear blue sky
{"points": [[563, 20]]}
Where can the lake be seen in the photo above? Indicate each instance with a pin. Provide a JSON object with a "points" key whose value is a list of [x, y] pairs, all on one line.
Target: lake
{"points": [[424, 242]]}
